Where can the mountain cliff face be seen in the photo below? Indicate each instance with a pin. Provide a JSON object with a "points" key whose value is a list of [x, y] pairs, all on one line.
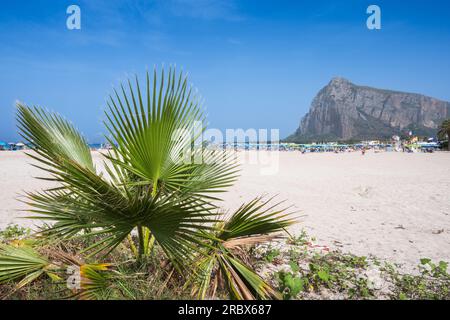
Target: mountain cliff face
{"points": [[345, 111]]}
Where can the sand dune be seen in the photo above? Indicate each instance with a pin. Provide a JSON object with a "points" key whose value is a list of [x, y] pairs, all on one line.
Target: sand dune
{"points": [[395, 206]]}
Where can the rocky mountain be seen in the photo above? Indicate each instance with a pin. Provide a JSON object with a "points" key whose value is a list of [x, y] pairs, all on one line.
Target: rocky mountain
{"points": [[345, 111]]}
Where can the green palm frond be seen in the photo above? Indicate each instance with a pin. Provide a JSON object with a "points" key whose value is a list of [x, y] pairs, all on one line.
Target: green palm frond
{"points": [[57, 143], [256, 218], [158, 137], [205, 272]]}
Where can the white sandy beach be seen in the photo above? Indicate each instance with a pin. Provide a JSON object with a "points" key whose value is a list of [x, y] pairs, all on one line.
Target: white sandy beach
{"points": [[395, 206]]}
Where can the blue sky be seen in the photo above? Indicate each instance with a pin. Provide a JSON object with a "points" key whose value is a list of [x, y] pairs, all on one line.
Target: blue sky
{"points": [[257, 63]]}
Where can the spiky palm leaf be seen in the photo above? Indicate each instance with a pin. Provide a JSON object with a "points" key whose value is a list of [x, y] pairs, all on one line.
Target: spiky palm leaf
{"points": [[158, 138], [146, 189], [253, 223], [23, 262], [55, 140]]}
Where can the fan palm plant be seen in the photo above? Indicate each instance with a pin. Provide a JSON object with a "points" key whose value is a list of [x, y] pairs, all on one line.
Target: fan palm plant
{"points": [[444, 131], [159, 180]]}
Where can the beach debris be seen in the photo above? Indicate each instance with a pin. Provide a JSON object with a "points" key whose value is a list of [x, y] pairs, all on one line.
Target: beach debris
{"points": [[364, 192]]}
